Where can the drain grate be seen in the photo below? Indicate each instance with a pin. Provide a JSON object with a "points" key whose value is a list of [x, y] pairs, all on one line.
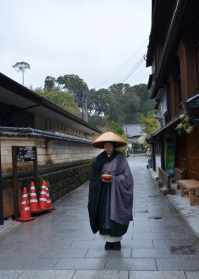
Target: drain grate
{"points": [[154, 196], [155, 217], [142, 211], [183, 250]]}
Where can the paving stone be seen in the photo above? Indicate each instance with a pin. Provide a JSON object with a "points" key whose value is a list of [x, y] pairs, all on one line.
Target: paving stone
{"points": [[101, 253], [14, 274], [137, 244], [151, 253], [81, 264], [63, 238], [47, 274], [156, 275], [186, 264], [101, 275], [192, 275], [98, 243], [167, 243], [130, 264], [66, 252]]}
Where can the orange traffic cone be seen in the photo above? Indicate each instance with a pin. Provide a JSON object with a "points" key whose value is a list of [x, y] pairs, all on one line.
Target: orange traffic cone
{"points": [[25, 214], [34, 204], [43, 197], [49, 201]]}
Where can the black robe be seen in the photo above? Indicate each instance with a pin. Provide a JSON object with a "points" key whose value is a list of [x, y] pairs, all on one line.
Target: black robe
{"points": [[100, 204]]}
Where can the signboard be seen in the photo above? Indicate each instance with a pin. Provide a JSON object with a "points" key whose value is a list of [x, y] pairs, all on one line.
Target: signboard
{"points": [[25, 153]]}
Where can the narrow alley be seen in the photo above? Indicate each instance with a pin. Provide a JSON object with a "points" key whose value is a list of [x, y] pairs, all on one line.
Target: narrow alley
{"points": [[61, 245]]}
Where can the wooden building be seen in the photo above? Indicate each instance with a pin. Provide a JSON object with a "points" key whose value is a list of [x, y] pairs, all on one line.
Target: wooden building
{"points": [[136, 138], [62, 142], [173, 54]]}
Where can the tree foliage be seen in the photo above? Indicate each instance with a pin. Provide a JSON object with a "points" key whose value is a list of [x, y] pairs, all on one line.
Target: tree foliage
{"points": [[74, 84], [21, 66], [49, 83], [149, 122], [98, 102], [62, 99], [120, 103]]}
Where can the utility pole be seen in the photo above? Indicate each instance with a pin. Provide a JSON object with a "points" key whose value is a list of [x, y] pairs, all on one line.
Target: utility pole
{"points": [[22, 67]]}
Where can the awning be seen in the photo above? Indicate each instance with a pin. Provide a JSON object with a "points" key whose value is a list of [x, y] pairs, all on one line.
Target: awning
{"points": [[36, 133], [170, 44], [192, 107], [193, 102], [13, 93], [164, 130]]}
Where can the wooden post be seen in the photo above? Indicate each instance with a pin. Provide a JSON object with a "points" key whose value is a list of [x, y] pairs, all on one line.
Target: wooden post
{"points": [[15, 184], [162, 153], [188, 63], [35, 163], [153, 156], [1, 194]]}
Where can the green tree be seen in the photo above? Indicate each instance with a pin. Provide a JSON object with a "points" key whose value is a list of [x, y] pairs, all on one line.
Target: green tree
{"points": [[98, 102], [49, 83], [74, 84], [120, 103], [149, 123], [115, 127], [22, 67], [79, 88], [62, 99]]}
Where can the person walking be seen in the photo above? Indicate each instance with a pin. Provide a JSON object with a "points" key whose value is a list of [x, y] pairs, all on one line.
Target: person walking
{"points": [[110, 201]]}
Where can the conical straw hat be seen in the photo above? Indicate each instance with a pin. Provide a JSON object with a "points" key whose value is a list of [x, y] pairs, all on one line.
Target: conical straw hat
{"points": [[108, 137]]}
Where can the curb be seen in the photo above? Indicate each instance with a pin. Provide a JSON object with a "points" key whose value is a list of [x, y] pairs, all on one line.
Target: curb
{"points": [[190, 221], [8, 226]]}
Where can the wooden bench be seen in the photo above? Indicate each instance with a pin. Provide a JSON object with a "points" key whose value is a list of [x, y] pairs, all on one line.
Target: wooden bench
{"points": [[165, 182], [179, 174], [189, 188], [164, 178]]}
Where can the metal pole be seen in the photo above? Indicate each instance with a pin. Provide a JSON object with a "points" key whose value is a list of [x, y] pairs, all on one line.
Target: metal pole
{"points": [[23, 71]]}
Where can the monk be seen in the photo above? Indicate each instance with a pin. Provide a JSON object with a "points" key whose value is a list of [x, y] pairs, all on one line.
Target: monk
{"points": [[110, 202]]}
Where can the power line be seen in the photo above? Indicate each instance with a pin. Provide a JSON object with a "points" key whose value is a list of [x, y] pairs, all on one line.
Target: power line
{"points": [[125, 62], [134, 69]]}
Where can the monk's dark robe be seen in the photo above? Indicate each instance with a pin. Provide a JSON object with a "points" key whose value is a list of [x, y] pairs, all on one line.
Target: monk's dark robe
{"points": [[110, 205]]}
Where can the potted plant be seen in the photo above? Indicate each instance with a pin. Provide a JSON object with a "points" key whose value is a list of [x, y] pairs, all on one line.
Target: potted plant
{"points": [[185, 125]]}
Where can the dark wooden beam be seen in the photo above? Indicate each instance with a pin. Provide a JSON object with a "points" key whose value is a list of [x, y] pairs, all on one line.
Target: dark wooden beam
{"points": [[153, 156], [172, 39], [162, 142]]}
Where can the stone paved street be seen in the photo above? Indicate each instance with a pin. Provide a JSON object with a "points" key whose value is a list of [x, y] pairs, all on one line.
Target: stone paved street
{"points": [[60, 245]]}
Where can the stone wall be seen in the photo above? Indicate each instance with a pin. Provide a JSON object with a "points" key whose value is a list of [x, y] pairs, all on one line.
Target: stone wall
{"points": [[67, 179], [65, 165], [49, 152]]}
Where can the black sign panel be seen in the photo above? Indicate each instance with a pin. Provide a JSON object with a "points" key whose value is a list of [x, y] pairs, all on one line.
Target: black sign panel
{"points": [[26, 153]]}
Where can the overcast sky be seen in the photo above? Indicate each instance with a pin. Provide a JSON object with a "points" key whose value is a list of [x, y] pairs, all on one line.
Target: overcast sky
{"points": [[103, 41]]}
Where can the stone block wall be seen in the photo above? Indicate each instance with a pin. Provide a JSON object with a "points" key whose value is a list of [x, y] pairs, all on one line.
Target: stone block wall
{"points": [[67, 179], [48, 152], [65, 165]]}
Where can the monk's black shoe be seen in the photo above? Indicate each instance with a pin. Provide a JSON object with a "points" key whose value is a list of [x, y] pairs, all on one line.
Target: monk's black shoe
{"points": [[108, 246], [116, 246]]}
